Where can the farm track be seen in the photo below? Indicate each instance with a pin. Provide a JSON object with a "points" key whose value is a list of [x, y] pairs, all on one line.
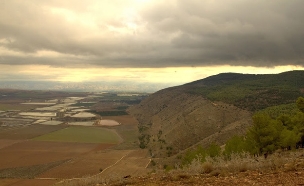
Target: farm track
{"points": [[113, 164], [131, 162], [69, 180]]}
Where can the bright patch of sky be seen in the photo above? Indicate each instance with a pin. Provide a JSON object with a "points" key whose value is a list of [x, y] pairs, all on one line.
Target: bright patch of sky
{"points": [[172, 41]]}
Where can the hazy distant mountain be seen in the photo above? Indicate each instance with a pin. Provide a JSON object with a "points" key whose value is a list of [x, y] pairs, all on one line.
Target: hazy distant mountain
{"points": [[84, 86]]}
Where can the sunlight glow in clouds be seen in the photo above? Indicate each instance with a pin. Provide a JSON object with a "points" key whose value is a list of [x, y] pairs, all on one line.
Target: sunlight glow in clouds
{"points": [[173, 41], [177, 75]]}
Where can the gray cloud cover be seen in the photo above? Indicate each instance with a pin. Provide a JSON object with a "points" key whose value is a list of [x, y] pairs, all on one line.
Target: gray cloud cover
{"points": [[154, 34]]}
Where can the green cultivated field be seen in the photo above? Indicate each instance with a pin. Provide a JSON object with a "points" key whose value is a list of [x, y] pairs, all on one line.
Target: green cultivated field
{"points": [[82, 135]]}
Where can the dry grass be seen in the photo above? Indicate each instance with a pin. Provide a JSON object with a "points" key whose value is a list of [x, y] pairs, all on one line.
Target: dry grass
{"points": [[91, 181], [216, 172], [96, 180], [238, 164], [196, 167], [286, 161], [207, 167]]}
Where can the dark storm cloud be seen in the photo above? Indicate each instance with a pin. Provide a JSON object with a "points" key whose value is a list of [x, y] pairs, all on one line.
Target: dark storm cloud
{"points": [[169, 33]]}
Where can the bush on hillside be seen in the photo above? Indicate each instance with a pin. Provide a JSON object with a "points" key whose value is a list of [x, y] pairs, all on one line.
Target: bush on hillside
{"points": [[272, 129]]}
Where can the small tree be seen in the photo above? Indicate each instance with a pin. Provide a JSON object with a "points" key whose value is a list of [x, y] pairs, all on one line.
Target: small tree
{"points": [[289, 138], [236, 144], [191, 155], [264, 136], [213, 150], [300, 103]]}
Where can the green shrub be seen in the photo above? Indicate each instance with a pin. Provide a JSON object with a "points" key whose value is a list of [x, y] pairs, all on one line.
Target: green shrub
{"points": [[236, 144]]}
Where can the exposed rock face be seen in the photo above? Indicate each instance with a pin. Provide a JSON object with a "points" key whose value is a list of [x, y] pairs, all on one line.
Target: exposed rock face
{"points": [[172, 120], [177, 118]]}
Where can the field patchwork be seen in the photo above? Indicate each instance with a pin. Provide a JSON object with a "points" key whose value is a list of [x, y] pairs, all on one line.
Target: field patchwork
{"points": [[29, 153], [29, 132], [82, 135]]}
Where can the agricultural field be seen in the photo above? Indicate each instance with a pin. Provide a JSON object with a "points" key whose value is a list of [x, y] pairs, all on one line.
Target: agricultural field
{"points": [[14, 106], [125, 163], [134, 163], [130, 135], [82, 134], [125, 120], [27, 182], [39, 147], [88, 164], [29, 132], [107, 123], [7, 142], [30, 153]]}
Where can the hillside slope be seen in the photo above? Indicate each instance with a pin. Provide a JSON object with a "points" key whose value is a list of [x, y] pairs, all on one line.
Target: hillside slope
{"points": [[172, 120], [210, 110], [249, 91]]}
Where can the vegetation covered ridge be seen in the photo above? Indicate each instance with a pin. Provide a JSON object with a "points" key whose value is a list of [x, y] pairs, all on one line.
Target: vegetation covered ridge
{"points": [[214, 108], [273, 129], [251, 91]]}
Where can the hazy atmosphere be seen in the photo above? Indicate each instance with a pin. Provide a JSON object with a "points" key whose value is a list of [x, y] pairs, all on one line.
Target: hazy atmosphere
{"points": [[151, 92], [152, 41]]}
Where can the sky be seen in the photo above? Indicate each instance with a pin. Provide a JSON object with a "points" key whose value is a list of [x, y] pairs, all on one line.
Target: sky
{"points": [[153, 41]]}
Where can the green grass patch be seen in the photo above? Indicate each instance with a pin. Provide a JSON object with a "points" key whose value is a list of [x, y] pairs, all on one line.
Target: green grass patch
{"points": [[130, 136], [82, 135]]}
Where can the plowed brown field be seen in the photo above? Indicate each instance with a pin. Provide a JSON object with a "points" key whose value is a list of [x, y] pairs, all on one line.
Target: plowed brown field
{"points": [[89, 164], [6, 143], [117, 164], [24, 160], [29, 132], [26, 182], [134, 163], [37, 152]]}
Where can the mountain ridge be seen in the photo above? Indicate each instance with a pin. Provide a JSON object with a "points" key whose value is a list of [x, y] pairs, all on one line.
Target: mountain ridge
{"points": [[210, 110]]}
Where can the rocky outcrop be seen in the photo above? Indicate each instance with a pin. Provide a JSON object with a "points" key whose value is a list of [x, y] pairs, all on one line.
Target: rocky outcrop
{"points": [[173, 120]]}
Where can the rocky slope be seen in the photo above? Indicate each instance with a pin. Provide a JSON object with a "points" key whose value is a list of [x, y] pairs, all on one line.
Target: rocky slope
{"points": [[210, 110], [172, 120]]}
